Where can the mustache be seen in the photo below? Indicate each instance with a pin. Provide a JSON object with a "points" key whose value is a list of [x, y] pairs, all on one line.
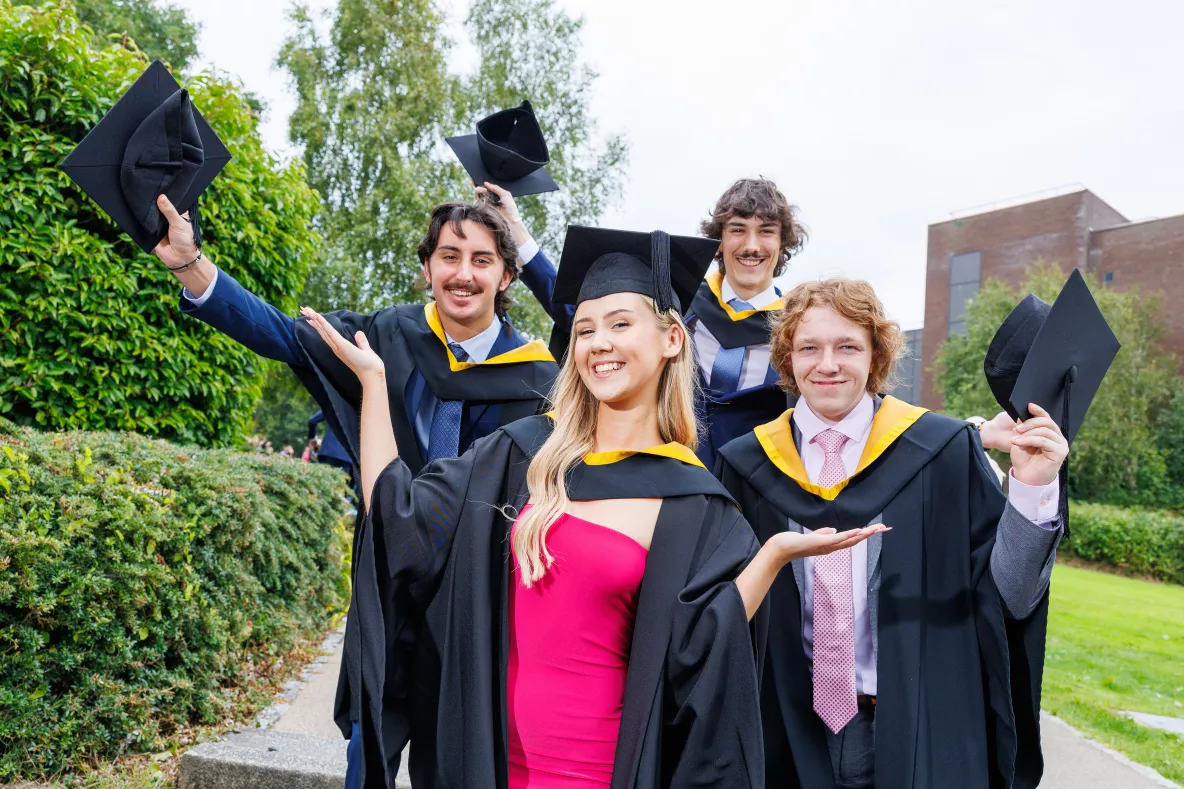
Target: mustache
{"points": [[751, 253], [471, 287]]}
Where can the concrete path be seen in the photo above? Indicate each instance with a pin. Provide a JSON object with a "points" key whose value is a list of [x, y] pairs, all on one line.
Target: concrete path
{"points": [[311, 712], [1073, 762], [1070, 760]]}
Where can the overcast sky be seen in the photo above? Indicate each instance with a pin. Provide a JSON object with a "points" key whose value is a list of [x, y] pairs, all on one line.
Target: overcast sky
{"points": [[877, 119]]}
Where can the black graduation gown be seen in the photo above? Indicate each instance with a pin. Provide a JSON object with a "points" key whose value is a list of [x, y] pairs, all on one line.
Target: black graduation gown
{"points": [[732, 415], [433, 572], [409, 339], [958, 682]]}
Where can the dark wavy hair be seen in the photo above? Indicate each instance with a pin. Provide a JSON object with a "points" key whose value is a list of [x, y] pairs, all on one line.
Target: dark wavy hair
{"points": [[761, 198], [453, 214]]}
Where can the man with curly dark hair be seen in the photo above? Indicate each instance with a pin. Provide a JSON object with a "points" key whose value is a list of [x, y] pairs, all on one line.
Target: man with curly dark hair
{"points": [[758, 230]]}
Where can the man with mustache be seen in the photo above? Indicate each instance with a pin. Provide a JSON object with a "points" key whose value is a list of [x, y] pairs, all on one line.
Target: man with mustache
{"points": [[758, 230], [456, 369]]}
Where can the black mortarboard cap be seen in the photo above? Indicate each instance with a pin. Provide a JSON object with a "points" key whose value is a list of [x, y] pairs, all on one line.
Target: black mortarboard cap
{"points": [[152, 141], [1055, 357], [598, 262], [508, 150]]}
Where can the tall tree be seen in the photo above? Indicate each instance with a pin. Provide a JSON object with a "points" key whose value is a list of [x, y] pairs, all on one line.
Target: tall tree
{"points": [[372, 101], [160, 29], [530, 49], [1122, 453]]}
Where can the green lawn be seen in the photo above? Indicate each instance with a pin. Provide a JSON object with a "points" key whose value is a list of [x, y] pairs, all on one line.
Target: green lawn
{"points": [[1115, 644]]}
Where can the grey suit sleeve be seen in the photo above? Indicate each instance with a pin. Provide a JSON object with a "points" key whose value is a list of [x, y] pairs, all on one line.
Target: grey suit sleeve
{"points": [[1022, 561]]}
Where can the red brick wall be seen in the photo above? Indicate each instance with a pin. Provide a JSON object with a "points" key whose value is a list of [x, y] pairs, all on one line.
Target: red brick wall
{"points": [[1149, 256], [1010, 240]]}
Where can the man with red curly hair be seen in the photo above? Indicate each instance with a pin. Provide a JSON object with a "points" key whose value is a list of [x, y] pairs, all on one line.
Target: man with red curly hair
{"points": [[913, 659]]}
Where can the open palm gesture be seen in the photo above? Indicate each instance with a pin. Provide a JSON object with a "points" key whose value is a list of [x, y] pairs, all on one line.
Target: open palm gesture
{"points": [[360, 358]]}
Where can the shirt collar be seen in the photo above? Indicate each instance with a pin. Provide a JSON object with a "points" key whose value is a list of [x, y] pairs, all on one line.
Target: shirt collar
{"points": [[479, 345], [855, 426], [762, 299]]}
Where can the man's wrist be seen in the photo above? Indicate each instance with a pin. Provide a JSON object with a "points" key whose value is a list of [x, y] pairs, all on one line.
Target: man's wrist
{"points": [[518, 232], [198, 278]]}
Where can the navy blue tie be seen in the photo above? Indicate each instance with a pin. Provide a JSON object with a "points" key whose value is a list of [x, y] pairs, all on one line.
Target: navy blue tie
{"points": [[725, 371], [444, 438]]}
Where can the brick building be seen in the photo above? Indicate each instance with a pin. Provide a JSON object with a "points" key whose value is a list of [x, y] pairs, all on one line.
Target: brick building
{"points": [[1076, 229]]}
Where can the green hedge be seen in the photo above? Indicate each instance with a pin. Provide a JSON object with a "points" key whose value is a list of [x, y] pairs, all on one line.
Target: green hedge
{"points": [[139, 582], [91, 337], [1144, 542]]}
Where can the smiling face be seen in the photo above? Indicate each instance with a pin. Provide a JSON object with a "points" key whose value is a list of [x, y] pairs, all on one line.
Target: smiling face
{"points": [[750, 248], [620, 348], [832, 359], [466, 273]]}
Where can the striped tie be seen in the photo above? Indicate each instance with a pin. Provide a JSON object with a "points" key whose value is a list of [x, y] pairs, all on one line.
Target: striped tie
{"points": [[729, 362], [444, 438]]}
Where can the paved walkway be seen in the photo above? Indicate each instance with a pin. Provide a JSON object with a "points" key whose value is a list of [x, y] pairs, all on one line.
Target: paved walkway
{"points": [[1070, 761]]}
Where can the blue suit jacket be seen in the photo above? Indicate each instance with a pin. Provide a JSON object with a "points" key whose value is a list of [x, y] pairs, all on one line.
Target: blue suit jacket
{"points": [[249, 320]]}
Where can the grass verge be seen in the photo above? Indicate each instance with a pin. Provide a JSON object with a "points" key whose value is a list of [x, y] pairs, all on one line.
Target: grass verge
{"points": [[1116, 644]]}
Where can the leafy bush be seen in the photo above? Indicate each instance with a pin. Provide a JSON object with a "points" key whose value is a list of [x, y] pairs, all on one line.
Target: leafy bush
{"points": [[1144, 542], [139, 580], [90, 334]]}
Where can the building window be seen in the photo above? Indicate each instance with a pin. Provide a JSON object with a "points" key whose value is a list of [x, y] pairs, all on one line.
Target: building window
{"points": [[1108, 278], [965, 274], [908, 369]]}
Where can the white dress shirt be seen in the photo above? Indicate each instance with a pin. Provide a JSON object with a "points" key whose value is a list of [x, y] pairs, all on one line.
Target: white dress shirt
{"points": [[1037, 504], [756, 360], [479, 345]]}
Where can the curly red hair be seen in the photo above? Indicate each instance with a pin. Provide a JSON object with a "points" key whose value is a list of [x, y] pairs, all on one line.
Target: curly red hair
{"points": [[856, 301]]}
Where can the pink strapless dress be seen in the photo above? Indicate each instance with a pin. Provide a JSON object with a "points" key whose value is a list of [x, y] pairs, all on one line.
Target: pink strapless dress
{"points": [[570, 636]]}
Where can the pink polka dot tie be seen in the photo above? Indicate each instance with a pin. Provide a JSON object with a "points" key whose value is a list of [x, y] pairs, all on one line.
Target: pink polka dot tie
{"points": [[834, 611]]}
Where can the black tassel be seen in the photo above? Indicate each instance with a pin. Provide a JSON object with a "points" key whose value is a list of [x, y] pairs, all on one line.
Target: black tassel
{"points": [[195, 220], [1070, 377], [660, 260]]}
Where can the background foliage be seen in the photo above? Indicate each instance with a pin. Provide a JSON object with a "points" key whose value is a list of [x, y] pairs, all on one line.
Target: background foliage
{"points": [[1139, 541], [1129, 450], [160, 29], [92, 337], [140, 580]]}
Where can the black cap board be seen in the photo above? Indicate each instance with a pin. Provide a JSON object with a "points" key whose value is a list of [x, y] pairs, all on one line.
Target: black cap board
{"points": [[1055, 357], [508, 150], [152, 141], [597, 262]]}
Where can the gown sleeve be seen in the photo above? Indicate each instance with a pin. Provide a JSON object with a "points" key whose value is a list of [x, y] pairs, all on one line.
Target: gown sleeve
{"points": [[401, 555], [714, 728], [330, 382], [1012, 649]]}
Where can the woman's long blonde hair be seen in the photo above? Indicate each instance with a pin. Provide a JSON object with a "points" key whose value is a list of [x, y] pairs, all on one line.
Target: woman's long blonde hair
{"points": [[574, 437]]}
